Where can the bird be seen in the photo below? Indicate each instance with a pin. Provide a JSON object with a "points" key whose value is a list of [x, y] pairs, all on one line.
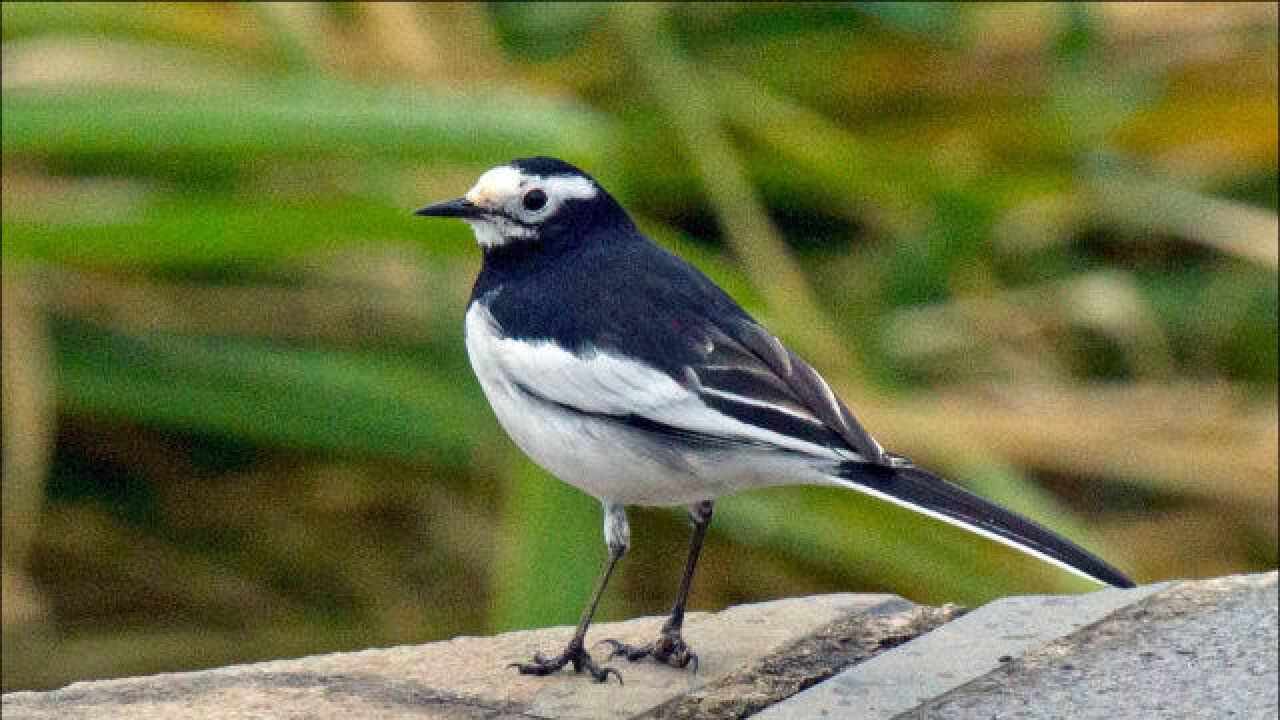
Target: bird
{"points": [[624, 371]]}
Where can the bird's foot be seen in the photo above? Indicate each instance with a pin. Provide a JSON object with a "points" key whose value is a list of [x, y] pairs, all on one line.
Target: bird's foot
{"points": [[574, 655], [669, 649]]}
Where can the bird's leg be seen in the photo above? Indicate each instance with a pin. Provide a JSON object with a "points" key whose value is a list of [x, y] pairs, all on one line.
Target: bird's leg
{"points": [[617, 535], [670, 647]]}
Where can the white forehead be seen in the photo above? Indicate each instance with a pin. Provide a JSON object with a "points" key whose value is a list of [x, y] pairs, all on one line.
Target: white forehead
{"points": [[505, 182], [496, 185]]}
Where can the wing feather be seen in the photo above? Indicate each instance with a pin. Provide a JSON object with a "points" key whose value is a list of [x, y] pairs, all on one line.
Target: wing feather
{"points": [[749, 374], [744, 386], [607, 385]]}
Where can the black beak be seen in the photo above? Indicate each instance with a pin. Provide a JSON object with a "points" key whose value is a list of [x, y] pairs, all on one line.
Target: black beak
{"points": [[457, 208]]}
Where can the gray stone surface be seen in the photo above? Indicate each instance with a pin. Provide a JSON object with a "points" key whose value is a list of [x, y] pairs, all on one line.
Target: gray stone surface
{"points": [[1176, 650], [751, 656], [965, 649], [820, 654], [1197, 650]]}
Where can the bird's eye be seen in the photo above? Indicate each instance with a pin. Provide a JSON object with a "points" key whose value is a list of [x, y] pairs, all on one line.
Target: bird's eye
{"points": [[534, 200]]}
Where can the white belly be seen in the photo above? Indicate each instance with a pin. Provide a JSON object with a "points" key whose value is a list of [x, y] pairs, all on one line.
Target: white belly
{"points": [[606, 458]]}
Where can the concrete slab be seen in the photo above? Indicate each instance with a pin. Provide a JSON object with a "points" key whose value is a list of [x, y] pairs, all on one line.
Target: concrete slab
{"points": [[1188, 649], [469, 678], [1197, 650], [965, 649]]}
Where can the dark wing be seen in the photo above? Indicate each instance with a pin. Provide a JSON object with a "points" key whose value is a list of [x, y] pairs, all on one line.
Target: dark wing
{"points": [[748, 374], [633, 300]]}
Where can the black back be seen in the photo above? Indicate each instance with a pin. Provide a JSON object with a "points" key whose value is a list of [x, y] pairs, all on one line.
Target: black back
{"points": [[607, 287]]}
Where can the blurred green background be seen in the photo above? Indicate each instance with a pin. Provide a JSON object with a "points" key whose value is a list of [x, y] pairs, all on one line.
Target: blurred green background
{"points": [[1033, 245]]}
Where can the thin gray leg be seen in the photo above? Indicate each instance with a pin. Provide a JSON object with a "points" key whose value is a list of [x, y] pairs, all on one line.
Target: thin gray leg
{"points": [[617, 537], [670, 647]]}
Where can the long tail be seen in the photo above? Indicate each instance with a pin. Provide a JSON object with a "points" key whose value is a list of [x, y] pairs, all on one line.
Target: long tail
{"points": [[917, 490]]}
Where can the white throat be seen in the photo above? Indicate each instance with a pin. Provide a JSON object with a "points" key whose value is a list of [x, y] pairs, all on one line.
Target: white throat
{"points": [[496, 231]]}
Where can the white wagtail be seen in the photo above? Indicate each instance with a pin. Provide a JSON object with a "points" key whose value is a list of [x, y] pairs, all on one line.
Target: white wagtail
{"points": [[624, 371]]}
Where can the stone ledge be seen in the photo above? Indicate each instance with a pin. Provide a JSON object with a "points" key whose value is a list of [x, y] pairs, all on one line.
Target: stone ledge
{"points": [[1203, 649], [1172, 650], [1186, 649], [751, 656], [950, 656]]}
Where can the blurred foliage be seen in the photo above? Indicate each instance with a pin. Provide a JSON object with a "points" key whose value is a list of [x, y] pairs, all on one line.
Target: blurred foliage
{"points": [[1034, 246]]}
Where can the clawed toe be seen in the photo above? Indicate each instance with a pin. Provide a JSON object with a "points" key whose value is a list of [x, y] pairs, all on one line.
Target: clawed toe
{"points": [[631, 652], [572, 655], [670, 649]]}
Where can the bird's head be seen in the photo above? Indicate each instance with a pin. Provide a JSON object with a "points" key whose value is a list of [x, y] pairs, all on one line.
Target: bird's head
{"points": [[531, 200]]}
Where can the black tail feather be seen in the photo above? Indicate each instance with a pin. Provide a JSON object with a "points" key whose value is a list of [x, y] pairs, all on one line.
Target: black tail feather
{"points": [[929, 494]]}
